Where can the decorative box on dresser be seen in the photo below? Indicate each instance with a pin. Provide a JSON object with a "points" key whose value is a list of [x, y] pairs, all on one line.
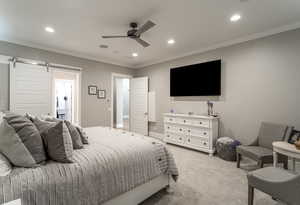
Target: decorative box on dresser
{"points": [[198, 132]]}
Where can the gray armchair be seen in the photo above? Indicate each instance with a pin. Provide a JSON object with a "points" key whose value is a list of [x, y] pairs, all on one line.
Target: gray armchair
{"points": [[278, 183], [261, 150]]}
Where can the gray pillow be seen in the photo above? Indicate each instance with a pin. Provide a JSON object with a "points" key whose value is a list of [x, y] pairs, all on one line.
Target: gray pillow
{"points": [[83, 135], [28, 135], [12, 146], [58, 143], [76, 139], [42, 125]]}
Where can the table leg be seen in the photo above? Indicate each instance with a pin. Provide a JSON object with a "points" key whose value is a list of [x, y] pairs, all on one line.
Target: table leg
{"points": [[275, 159], [294, 164]]}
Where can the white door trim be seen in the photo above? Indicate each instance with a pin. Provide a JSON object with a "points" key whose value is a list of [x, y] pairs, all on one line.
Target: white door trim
{"points": [[114, 75], [78, 75]]}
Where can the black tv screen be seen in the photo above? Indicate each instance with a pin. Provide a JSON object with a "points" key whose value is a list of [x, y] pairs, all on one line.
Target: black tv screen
{"points": [[202, 79]]}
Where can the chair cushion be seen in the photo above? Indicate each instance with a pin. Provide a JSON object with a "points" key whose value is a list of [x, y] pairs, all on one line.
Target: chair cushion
{"points": [[256, 152], [261, 177], [270, 132]]}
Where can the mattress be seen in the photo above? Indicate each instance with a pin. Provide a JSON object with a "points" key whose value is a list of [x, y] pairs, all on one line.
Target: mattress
{"points": [[113, 163]]}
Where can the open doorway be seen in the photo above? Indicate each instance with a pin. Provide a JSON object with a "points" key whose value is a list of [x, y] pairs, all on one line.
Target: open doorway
{"points": [[120, 101], [66, 94]]}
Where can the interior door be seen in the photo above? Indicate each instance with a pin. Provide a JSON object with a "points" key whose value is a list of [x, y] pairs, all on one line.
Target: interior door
{"points": [[139, 105], [30, 89]]}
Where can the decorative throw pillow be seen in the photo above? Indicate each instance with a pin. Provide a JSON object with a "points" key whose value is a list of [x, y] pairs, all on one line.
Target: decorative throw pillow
{"points": [[58, 143], [12, 146], [28, 134], [76, 139], [5, 166], [30, 117], [42, 125], [83, 135], [50, 118]]}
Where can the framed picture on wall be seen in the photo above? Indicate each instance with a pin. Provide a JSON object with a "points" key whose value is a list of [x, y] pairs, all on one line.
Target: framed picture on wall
{"points": [[101, 94], [92, 89]]}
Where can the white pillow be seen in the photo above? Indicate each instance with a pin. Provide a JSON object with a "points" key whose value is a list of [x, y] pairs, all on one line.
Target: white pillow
{"points": [[5, 166]]}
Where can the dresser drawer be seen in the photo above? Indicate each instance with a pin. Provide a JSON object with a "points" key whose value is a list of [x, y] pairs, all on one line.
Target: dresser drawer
{"points": [[197, 142], [201, 122], [198, 132], [177, 129], [170, 128], [170, 119], [185, 121], [171, 137]]}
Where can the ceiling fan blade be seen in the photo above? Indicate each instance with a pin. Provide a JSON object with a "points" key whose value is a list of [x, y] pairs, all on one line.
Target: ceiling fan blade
{"points": [[114, 36], [145, 27], [142, 42]]}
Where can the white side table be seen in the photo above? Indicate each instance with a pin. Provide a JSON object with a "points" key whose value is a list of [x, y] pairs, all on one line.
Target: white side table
{"points": [[286, 149]]}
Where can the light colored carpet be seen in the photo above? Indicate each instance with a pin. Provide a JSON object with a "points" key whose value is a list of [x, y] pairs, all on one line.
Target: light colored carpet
{"points": [[208, 180]]}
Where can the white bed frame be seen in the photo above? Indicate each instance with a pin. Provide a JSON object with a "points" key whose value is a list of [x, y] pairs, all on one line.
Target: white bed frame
{"points": [[142, 192]]}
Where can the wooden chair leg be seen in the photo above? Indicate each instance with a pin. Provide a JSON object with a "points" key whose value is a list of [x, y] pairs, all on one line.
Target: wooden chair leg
{"points": [[261, 164], [250, 195], [238, 160], [285, 164]]}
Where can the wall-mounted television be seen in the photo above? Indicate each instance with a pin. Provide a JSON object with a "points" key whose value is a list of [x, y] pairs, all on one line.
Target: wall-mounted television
{"points": [[203, 79]]}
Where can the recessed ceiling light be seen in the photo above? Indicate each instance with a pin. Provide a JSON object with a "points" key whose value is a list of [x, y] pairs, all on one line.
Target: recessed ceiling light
{"points": [[103, 46], [235, 17], [135, 54], [49, 29], [34, 63], [171, 41]]}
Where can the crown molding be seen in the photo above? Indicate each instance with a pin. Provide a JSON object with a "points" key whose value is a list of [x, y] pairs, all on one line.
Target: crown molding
{"points": [[143, 65], [61, 51], [225, 44]]}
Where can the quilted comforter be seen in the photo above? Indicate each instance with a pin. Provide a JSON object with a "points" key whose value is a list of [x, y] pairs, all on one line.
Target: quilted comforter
{"points": [[113, 163]]}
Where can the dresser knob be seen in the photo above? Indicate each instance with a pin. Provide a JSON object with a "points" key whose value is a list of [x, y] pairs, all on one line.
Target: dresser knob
{"points": [[204, 143], [189, 140], [189, 130], [180, 129], [184, 121], [200, 123], [180, 138], [171, 119], [168, 135], [204, 133]]}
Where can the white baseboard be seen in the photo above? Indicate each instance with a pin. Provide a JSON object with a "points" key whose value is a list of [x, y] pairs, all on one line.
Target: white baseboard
{"points": [[156, 135]]}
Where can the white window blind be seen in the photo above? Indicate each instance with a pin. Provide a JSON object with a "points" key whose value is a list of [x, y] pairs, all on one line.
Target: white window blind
{"points": [[30, 89]]}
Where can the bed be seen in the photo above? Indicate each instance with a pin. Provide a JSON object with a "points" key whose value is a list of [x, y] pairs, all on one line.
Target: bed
{"points": [[116, 167]]}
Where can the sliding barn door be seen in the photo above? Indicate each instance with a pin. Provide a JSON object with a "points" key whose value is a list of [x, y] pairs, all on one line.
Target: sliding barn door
{"points": [[30, 89], [139, 105]]}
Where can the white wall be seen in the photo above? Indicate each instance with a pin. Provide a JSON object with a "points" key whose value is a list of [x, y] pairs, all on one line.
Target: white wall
{"points": [[94, 111], [4, 84], [260, 82]]}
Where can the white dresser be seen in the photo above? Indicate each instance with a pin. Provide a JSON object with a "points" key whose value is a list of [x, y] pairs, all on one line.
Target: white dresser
{"points": [[198, 132]]}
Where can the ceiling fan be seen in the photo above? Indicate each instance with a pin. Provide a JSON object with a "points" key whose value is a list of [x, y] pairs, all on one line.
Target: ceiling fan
{"points": [[135, 32]]}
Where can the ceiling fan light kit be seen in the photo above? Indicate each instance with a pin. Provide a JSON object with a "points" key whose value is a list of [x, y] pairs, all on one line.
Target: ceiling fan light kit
{"points": [[135, 33]]}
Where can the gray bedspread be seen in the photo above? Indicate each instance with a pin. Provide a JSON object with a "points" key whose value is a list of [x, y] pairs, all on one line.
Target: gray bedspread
{"points": [[114, 162]]}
